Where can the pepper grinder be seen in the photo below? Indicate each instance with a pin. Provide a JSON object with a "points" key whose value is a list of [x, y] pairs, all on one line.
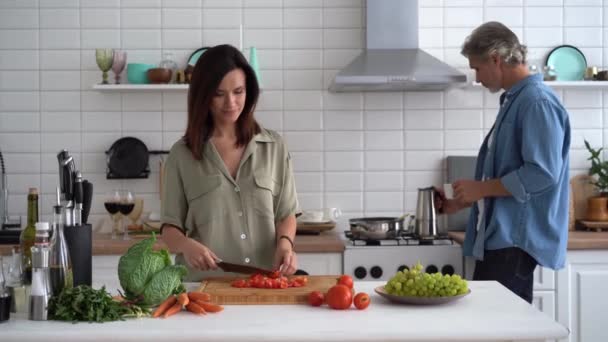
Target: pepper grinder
{"points": [[41, 282]]}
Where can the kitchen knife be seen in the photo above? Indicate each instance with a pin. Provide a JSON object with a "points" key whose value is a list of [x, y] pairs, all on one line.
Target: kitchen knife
{"points": [[78, 199], [244, 269], [87, 198], [62, 157]]}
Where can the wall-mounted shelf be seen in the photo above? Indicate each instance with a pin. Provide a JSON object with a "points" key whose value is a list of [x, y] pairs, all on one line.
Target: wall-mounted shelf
{"points": [[569, 84], [140, 87], [164, 87]]}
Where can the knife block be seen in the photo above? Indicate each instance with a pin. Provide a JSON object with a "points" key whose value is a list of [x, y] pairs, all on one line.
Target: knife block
{"points": [[80, 244]]}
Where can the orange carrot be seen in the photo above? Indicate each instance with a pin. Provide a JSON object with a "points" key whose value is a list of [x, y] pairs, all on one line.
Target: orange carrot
{"points": [[118, 298], [182, 298], [202, 296], [209, 307], [169, 302], [177, 307], [195, 308]]}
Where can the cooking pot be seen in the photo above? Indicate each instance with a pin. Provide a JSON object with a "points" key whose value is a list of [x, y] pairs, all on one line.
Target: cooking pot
{"points": [[128, 157], [377, 228]]}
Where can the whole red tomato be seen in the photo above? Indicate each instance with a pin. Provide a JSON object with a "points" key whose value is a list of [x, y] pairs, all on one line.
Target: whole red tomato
{"points": [[346, 280], [339, 297], [362, 300], [315, 298]]}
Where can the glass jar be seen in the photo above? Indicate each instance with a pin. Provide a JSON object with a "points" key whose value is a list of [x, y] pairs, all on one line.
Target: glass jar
{"points": [[14, 282], [168, 62], [549, 73]]}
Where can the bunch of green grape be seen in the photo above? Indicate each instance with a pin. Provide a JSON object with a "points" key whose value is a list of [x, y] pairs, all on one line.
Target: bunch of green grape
{"points": [[416, 283]]}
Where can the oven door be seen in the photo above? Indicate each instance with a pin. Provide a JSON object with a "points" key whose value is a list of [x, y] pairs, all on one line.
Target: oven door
{"points": [[374, 263]]}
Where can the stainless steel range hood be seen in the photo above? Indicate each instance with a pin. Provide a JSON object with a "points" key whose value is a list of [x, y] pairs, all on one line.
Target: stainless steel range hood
{"points": [[392, 60]]}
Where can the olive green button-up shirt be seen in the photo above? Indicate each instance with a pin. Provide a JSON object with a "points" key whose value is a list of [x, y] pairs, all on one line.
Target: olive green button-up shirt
{"points": [[235, 218]]}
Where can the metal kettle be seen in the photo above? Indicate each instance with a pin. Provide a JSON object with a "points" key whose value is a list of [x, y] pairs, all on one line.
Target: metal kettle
{"points": [[426, 215]]}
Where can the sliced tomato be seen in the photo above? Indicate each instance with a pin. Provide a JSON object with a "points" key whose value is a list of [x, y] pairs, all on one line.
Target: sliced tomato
{"points": [[240, 283], [303, 280], [263, 282]]}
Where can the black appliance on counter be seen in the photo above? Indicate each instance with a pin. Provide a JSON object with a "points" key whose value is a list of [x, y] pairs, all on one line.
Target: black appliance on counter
{"points": [[9, 228]]}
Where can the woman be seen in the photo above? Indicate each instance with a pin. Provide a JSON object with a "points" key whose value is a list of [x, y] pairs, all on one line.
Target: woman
{"points": [[229, 191]]}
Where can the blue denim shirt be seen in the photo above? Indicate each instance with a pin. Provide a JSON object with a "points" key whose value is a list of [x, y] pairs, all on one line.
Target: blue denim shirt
{"points": [[529, 153]]}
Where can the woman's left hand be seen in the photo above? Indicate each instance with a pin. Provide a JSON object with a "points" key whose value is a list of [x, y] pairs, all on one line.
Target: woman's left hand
{"points": [[285, 259]]}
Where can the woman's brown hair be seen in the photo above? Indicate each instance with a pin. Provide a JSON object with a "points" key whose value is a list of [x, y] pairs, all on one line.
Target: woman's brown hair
{"points": [[208, 73]]}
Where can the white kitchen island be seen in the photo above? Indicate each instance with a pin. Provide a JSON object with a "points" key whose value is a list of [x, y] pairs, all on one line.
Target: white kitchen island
{"points": [[489, 313]]}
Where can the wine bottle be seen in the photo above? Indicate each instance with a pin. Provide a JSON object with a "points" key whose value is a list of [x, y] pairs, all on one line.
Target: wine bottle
{"points": [[28, 235]]}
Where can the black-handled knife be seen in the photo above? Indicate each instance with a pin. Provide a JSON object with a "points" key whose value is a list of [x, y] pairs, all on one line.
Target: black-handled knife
{"points": [[87, 192], [61, 157], [78, 199], [68, 174], [244, 269]]}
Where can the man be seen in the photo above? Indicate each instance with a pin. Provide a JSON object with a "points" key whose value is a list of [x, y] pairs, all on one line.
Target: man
{"points": [[519, 197]]}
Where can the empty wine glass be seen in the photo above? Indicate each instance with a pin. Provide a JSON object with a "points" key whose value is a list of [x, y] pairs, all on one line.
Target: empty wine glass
{"points": [[111, 203], [104, 58], [118, 64], [127, 203]]}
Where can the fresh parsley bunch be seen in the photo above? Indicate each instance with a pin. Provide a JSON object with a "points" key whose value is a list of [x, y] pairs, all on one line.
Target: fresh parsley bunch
{"points": [[83, 303]]}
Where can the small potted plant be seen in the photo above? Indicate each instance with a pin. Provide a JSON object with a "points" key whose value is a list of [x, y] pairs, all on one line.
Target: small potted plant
{"points": [[597, 206]]}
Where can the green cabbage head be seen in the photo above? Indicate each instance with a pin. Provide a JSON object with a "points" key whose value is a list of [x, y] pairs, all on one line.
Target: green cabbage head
{"points": [[149, 275]]}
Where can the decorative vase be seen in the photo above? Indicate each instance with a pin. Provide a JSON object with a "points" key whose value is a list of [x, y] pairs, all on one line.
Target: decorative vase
{"points": [[597, 208]]}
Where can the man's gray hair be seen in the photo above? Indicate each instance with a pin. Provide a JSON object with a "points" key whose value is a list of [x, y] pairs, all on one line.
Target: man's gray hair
{"points": [[494, 37]]}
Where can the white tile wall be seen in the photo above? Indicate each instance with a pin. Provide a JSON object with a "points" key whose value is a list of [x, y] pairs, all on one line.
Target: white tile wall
{"points": [[363, 152]]}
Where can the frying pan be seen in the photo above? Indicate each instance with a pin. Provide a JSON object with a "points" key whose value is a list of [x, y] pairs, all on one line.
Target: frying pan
{"points": [[128, 157]]}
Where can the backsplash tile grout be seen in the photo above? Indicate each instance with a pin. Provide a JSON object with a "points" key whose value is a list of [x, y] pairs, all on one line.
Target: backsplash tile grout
{"points": [[296, 68]]}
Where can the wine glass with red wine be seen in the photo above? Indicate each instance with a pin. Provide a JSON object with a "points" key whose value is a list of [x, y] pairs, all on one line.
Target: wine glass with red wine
{"points": [[126, 205], [111, 203]]}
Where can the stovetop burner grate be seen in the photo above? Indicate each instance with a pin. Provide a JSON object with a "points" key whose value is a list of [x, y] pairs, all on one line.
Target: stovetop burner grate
{"points": [[401, 240]]}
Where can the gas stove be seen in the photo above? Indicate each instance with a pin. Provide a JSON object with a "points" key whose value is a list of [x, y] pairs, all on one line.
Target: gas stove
{"points": [[380, 259], [400, 240]]}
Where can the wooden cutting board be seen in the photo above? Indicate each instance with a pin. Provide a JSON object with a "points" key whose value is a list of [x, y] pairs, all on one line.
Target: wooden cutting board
{"points": [[222, 293], [582, 189]]}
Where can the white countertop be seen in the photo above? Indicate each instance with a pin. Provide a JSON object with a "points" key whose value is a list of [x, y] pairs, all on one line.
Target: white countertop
{"points": [[489, 313]]}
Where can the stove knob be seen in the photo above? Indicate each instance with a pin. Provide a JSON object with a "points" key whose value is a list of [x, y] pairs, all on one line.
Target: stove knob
{"points": [[402, 268], [360, 272], [376, 272], [432, 269], [447, 269]]}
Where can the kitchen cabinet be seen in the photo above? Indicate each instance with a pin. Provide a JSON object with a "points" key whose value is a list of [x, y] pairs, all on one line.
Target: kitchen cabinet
{"points": [[544, 295], [105, 272], [320, 263], [544, 301], [581, 295]]}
